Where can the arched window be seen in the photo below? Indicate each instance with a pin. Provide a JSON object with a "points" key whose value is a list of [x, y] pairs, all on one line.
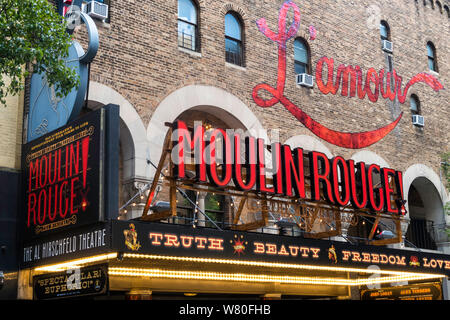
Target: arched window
{"points": [[187, 25], [301, 56], [431, 53], [447, 10], [384, 31], [414, 104], [233, 39], [438, 4]]}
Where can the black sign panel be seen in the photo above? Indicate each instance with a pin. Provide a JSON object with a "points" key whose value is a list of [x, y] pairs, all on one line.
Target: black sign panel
{"points": [[423, 291], [87, 281], [63, 177], [178, 240], [72, 244]]}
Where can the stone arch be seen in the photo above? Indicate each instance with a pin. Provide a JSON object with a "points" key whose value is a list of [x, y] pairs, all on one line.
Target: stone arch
{"points": [[308, 143], [234, 8], [370, 157], [132, 130], [420, 170], [203, 98], [429, 196]]}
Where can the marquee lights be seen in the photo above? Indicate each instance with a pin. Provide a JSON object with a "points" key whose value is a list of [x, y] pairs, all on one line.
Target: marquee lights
{"points": [[200, 275], [391, 276], [270, 264], [105, 257], [76, 263]]}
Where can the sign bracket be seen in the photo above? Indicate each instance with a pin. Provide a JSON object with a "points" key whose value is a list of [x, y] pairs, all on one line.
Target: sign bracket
{"points": [[161, 215]]}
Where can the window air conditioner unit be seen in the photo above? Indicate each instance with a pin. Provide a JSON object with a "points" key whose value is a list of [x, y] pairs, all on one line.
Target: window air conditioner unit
{"points": [[387, 46], [305, 80], [418, 120], [96, 10]]}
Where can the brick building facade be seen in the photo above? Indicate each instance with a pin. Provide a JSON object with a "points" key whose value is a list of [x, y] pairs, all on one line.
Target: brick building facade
{"points": [[163, 80]]}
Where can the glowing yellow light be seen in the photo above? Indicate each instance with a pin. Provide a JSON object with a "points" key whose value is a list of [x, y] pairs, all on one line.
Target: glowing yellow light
{"points": [[391, 276], [76, 263], [200, 275], [275, 265]]}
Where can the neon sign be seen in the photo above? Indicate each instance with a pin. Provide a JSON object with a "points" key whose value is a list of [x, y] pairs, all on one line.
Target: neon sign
{"points": [[340, 181], [343, 139]]}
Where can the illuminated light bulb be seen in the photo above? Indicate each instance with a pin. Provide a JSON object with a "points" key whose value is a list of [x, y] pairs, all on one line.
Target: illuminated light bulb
{"points": [[73, 263], [398, 275], [202, 275]]}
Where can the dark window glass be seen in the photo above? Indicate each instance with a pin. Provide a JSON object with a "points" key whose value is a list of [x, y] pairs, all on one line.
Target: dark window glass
{"points": [[414, 104], [187, 25], [301, 56], [431, 53], [185, 208], [384, 30], [233, 40], [214, 208]]}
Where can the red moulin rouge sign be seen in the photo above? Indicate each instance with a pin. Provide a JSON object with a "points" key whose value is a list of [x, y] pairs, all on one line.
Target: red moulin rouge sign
{"points": [[343, 139], [340, 181], [62, 172]]}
